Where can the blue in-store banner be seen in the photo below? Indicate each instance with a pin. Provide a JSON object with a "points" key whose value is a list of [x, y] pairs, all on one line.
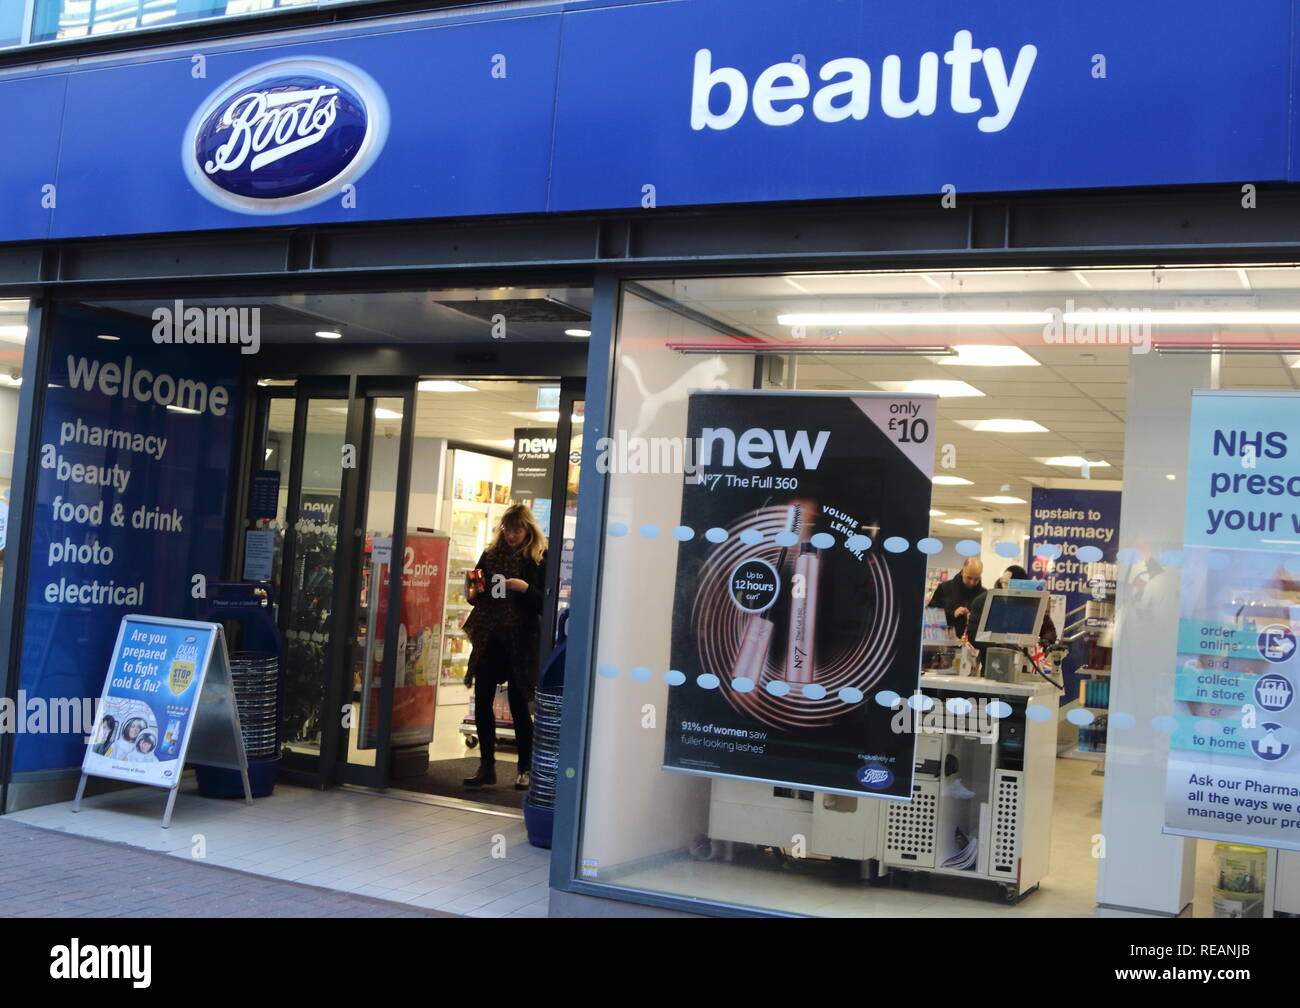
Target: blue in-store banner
{"points": [[155, 677], [136, 448], [1233, 772], [1073, 543], [593, 105]]}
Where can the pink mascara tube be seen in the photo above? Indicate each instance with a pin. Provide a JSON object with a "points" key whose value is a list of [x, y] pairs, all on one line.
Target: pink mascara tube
{"points": [[800, 655], [757, 640]]}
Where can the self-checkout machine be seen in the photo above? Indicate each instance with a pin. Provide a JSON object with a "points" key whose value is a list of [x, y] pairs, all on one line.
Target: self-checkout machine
{"points": [[983, 776], [985, 769]]}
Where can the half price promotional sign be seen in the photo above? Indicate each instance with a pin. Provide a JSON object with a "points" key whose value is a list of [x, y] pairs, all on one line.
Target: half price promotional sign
{"points": [[1234, 756]]}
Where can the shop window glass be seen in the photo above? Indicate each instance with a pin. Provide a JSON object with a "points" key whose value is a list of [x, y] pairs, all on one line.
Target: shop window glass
{"points": [[60, 19], [1035, 390], [11, 22], [13, 337]]}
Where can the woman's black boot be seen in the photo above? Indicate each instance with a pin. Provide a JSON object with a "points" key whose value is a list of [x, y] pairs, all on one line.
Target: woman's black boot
{"points": [[486, 776]]}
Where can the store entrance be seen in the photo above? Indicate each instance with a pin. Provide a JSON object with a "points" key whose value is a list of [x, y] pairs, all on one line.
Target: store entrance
{"points": [[372, 499]]}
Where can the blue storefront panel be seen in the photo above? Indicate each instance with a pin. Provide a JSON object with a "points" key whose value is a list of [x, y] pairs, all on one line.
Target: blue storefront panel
{"points": [[678, 103], [1157, 117]]}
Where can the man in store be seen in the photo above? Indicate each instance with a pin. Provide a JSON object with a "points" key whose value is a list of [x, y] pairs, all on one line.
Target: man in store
{"points": [[955, 595]]}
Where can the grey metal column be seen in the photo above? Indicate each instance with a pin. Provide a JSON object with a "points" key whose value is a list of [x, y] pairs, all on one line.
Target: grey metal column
{"points": [[587, 553], [22, 502]]}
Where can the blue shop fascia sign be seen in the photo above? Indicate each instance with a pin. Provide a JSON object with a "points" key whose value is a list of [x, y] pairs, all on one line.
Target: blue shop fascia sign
{"points": [[593, 106]]}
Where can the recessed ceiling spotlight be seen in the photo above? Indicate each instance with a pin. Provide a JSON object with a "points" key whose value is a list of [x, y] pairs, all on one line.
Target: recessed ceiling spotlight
{"points": [[987, 356], [577, 332], [960, 521], [952, 481], [108, 336], [1001, 499], [434, 385], [1004, 426], [935, 386], [329, 334], [1074, 462]]}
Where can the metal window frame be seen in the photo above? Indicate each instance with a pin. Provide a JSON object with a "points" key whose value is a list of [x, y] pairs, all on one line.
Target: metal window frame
{"points": [[22, 505], [1130, 229]]}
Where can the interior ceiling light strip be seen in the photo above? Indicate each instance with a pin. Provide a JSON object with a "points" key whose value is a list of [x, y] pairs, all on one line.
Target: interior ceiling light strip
{"points": [[1217, 346], [812, 348]]}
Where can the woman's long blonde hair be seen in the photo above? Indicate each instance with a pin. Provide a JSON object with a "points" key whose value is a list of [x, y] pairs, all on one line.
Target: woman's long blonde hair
{"points": [[520, 516]]}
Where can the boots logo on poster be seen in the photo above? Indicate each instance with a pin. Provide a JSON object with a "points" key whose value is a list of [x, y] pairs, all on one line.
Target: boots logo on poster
{"points": [[285, 135]]}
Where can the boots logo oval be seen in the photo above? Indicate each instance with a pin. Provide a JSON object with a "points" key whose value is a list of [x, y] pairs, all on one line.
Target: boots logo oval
{"points": [[285, 135]]}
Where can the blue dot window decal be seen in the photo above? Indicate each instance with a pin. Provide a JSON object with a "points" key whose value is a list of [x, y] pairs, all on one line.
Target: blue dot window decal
{"points": [[958, 706], [814, 691], [608, 671], [1089, 554], [641, 674], [716, 535], [929, 545], [823, 540], [858, 543], [1007, 550], [649, 531], [674, 678], [742, 685], [785, 538], [777, 688], [1128, 555], [968, 548], [999, 709], [850, 695], [617, 529], [1048, 551], [1079, 717], [707, 680], [1037, 712], [887, 698], [683, 534], [751, 537], [895, 544]]}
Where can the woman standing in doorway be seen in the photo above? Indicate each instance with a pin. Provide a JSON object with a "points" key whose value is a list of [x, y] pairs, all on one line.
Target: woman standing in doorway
{"points": [[504, 631]]}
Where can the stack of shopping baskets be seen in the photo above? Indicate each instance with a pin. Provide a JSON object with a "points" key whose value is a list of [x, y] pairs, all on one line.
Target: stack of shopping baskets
{"points": [[256, 678], [546, 749]]}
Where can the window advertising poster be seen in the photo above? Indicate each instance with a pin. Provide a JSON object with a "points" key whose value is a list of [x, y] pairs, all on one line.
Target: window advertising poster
{"points": [[419, 641], [1073, 543], [800, 587], [149, 701], [1234, 751], [130, 503]]}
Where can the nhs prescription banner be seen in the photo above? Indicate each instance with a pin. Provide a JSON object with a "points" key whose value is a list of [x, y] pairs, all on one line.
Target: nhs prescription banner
{"points": [[597, 105], [130, 502], [1234, 751], [154, 679]]}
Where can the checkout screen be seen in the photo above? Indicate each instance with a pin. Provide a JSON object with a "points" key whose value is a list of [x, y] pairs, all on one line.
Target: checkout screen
{"points": [[1011, 615]]}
